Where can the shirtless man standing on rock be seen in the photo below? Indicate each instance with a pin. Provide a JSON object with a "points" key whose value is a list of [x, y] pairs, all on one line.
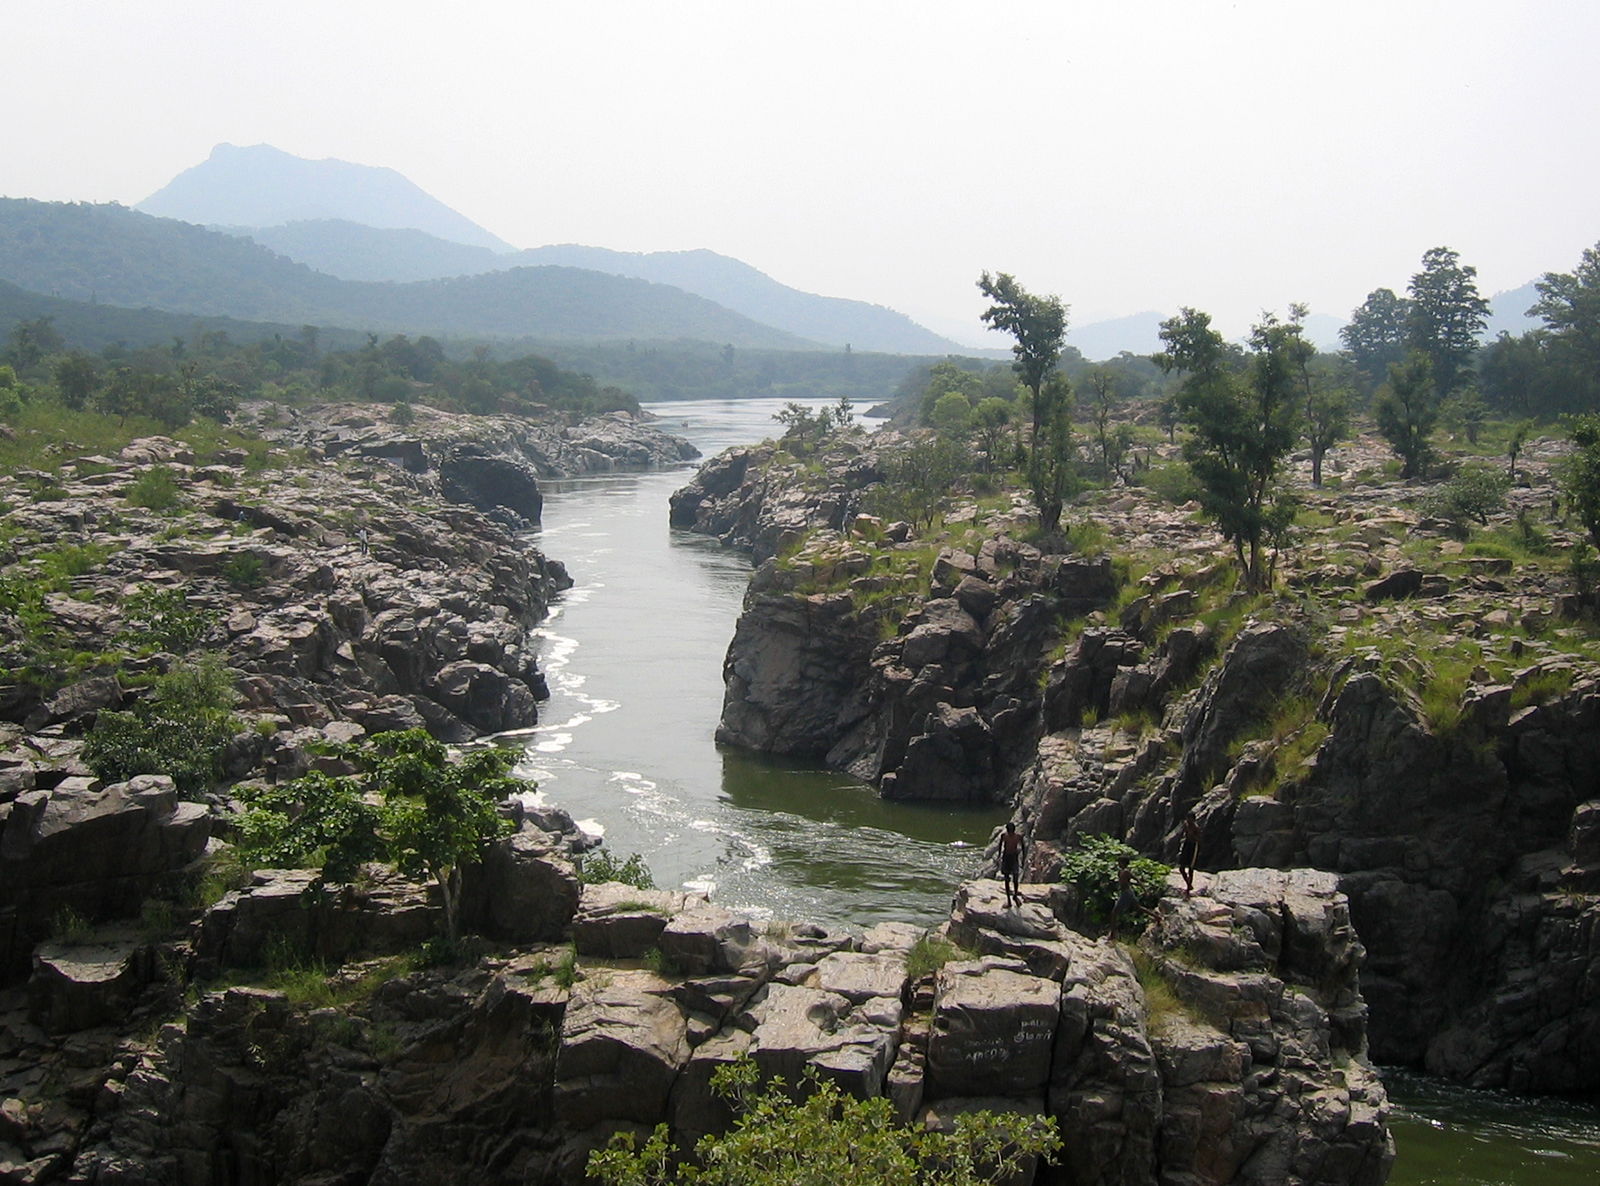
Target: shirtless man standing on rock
{"points": [[1011, 863]]}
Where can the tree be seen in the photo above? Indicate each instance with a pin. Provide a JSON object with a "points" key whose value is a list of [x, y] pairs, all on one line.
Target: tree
{"points": [[1406, 409], [1327, 422], [1376, 336], [1579, 472], [438, 814], [1243, 425], [76, 377], [1039, 325], [410, 805], [1475, 493], [1569, 302], [952, 414], [179, 728], [1514, 444], [992, 418], [1445, 316], [826, 1136], [30, 342], [918, 480]]}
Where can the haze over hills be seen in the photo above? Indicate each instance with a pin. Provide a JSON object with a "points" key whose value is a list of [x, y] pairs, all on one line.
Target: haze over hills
{"points": [[263, 186], [123, 257], [355, 252], [356, 222]]}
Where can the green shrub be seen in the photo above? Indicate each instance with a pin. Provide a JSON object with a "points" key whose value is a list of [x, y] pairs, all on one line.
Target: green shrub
{"points": [[596, 868], [826, 1136], [1474, 494], [245, 570], [1092, 867], [156, 490], [929, 954], [180, 728], [157, 619], [1174, 482]]}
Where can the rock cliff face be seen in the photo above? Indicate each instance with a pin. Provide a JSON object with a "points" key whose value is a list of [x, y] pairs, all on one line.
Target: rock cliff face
{"points": [[1228, 1049], [1468, 857], [1464, 833], [918, 671]]}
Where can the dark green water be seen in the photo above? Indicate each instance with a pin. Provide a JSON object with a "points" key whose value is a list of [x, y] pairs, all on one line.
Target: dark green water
{"points": [[634, 658], [1451, 1136]]}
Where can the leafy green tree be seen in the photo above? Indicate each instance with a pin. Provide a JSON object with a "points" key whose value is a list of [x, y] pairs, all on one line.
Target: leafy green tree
{"points": [[826, 1137], [31, 342], [918, 480], [944, 377], [433, 815], [1579, 472], [438, 814], [1406, 409], [179, 728], [1519, 376], [1376, 336], [1327, 420], [1475, 493], [1242, 425], [952, 415], [992, 421], [1514, 445], [1039, 325], [1569, 303], [318, 818], [1445, 316], [76, 379]]}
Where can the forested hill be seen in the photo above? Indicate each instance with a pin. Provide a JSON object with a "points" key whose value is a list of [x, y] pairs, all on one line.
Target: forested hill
{"points": [[112, 255], [85, 326], [355, 252]]}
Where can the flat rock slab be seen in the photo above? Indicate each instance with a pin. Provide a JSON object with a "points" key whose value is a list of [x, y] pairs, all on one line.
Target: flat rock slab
{"points": [[617, 921], [80, 985], [992, 1032], [623, 1041], [800, 1027], [859, 977]]}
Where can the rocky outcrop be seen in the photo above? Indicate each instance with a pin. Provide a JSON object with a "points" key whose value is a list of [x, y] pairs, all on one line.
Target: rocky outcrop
{"points": [[1229, 1048], [754, 500], [552, 446], [470, 473], [80, 849], [940, 710]]}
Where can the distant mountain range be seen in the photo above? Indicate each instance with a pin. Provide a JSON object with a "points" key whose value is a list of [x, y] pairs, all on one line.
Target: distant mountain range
{"points": [[352, 251], [118, 256], [264, 186]]}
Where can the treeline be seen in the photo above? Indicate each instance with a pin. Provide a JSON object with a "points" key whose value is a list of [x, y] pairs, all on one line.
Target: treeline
{"points": [[698, 370], [208, 373]]}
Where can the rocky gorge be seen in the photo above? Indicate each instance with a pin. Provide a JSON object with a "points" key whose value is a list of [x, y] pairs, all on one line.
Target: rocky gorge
{"points": [[1407, 715]]}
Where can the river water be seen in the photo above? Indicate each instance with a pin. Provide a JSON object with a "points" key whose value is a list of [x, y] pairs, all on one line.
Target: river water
{"points": [[634, 654]]}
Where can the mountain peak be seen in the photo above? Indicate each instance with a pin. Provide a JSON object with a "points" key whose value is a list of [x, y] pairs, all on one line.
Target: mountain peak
{"points": [[260, 186]]}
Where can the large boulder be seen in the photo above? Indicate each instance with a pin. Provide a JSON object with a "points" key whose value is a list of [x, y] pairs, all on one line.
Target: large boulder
{"points": [[992, 1030], [473, 474], [623, 1042], [75, 986], [96, 850], [619, 921], [799, 1027], [526, 890]]}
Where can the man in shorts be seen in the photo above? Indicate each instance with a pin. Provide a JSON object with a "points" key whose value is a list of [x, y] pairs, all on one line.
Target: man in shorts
{"points": [[1011, 864], [1187, 850]]}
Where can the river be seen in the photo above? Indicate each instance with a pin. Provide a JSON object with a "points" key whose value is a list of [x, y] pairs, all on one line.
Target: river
{"points": [[633, 653]]}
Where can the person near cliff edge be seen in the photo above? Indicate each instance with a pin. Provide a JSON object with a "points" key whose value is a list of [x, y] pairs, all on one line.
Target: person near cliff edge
{"points": [[1127, 900], [1188, 848], [1011, 863]]}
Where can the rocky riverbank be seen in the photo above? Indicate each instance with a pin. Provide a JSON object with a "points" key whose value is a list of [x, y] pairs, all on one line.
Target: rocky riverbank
{"points": [[378, 578], [1228, 1046], [1411, 714]]}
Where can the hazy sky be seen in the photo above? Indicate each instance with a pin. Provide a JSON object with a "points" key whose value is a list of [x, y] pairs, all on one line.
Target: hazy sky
{"points": [[1127, 155]]}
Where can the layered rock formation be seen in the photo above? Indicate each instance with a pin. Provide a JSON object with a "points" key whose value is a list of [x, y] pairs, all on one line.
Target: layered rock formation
{"points": [[1228, 1048]]}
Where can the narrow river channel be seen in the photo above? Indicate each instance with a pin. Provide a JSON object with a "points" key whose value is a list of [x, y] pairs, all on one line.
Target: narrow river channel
{"points": [[634, 654], [634, 657]]}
